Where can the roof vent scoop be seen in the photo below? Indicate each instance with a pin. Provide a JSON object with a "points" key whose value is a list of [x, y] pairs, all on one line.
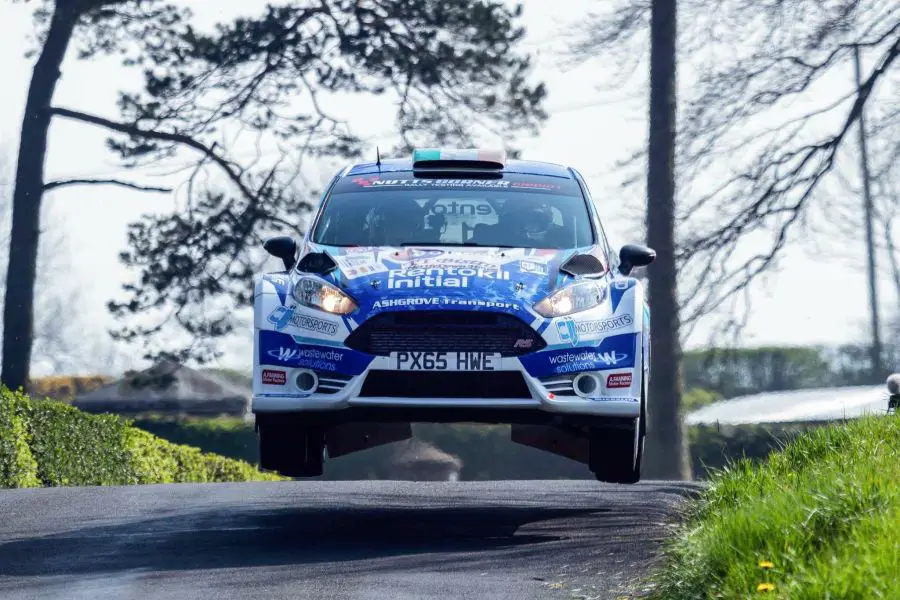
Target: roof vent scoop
{"points": [[583, 264], [454, 158]]}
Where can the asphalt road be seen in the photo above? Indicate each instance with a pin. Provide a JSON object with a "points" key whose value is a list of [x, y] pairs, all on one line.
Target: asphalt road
{"points": [[373, 540]]}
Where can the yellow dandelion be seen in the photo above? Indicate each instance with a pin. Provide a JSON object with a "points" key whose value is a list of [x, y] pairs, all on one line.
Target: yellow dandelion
{"points": [[766, 564], [765, 587]]}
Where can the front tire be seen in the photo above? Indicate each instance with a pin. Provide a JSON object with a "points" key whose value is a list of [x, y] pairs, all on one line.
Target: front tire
{"points": [[616, 455], [291, 451]]}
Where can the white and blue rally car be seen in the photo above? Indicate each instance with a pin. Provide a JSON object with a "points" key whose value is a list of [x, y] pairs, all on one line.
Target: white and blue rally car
{"points": [[457, 286]]}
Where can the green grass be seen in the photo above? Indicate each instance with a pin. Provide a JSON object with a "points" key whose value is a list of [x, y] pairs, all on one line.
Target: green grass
{"points": [[825, 511], [47, 443]]}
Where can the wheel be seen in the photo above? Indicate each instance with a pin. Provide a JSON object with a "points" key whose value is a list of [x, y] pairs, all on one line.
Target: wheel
{"points": [[616, 455], [291, 451]]}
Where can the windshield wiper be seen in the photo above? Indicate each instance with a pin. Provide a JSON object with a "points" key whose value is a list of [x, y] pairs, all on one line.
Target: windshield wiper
{"points": [[404, 244]]}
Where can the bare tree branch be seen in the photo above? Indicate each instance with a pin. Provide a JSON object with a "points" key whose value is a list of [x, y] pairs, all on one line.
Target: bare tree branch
{"points": [[51, 185], [766, 107], [230, 169]]}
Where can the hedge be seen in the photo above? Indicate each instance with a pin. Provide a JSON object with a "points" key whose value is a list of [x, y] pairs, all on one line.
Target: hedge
{"points": [[52, 444], [227, 436]]}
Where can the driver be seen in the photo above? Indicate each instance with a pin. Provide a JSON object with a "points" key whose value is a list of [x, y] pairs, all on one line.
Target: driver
{"points": [[531, 222], [395, 221]]}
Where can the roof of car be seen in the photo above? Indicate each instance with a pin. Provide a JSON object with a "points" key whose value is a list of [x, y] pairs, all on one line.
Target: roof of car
{"points": [[524, 167]]}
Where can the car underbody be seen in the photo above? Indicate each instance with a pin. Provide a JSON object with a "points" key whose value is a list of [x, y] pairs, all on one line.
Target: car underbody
{"points": [[296, 444]]}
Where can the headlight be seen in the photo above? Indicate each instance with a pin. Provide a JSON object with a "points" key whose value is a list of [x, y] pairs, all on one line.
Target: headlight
{"points": [[572, 299], [321, 295]]}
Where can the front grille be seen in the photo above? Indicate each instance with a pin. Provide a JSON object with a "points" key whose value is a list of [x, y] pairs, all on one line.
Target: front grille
{"points": [[445, 384], [445, 331]]}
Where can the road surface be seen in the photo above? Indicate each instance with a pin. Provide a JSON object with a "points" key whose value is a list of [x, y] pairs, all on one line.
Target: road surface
{"points": [[372, 540]]}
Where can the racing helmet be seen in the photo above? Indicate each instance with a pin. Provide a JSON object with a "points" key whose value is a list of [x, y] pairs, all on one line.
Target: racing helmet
{"points": [[533, 220], [395, 220]]}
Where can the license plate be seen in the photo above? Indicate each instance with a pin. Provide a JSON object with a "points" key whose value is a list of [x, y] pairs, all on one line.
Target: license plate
{"points": [[445, 361]]}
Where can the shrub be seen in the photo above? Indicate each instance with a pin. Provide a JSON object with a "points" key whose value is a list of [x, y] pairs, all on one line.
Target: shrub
{"points": [[53, 444], [18, 468]]}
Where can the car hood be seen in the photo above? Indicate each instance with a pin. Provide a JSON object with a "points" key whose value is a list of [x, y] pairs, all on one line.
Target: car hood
{"points": [[450, 277]]}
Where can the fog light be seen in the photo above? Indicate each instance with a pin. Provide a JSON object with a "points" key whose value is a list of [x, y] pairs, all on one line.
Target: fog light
{"points": [[307, 381], [586, 385]]}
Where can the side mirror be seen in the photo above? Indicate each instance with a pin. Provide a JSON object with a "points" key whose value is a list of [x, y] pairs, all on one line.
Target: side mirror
{"points": [[283, 247], [635, 255]]}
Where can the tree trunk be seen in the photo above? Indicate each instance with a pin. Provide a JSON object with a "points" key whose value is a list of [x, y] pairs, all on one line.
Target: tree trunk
{"points": [[18, 312], [666, 452]]}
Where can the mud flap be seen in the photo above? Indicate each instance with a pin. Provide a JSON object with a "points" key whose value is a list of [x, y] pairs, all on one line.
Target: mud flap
{"points": [[353, 437], [553, 440]]}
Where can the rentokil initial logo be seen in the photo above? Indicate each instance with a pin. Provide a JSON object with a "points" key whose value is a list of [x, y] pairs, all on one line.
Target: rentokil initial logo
{"points": [[450, 277]]}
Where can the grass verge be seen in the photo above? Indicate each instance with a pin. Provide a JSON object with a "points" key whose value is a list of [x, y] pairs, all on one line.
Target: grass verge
{"points": [[46, 443], [825, 512]]}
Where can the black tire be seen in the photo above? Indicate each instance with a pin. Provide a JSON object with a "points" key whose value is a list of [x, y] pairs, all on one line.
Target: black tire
{"points": [[616, 455], [291, 452]]}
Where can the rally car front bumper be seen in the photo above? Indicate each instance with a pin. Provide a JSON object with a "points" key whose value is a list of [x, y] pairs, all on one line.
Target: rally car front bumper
{"points": [[510, 387]]}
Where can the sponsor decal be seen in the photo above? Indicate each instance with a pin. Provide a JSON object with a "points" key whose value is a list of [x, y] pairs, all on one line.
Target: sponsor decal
{"points": [[375, 181], [615, 399], [567, 331], [282, 316], [534, 185], [609, 358], [523, 343], [459, 262], [347, 262], [274, 377], [299, 354], [614, 352], [398, 302], [618, 288], [536, 268], [618, 380], [463, 209], [280, 283], [455, 277], [359, 266], [419, 253], [370, 269], [365, 181], [407, 254], [442, 301], [542, 253], [282, 350], [571, 331]]}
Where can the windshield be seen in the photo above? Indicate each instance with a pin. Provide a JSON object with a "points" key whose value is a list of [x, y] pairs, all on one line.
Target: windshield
{"points": [[516, 211]]}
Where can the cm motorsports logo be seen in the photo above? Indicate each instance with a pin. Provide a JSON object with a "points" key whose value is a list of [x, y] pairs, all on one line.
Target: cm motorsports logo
{"points": [[571, 330], [281, 317]]}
